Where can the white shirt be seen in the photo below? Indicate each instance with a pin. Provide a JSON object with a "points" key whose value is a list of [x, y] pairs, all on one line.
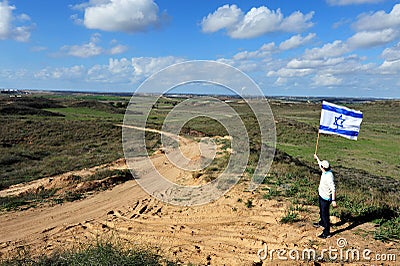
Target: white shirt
{"points": [[326, 186]]}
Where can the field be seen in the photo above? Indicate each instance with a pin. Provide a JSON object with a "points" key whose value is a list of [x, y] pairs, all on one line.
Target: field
{"points": [[65, 152]]}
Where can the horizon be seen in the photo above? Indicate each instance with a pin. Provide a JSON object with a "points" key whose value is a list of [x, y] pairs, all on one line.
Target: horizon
{"points": [[183, 94]]}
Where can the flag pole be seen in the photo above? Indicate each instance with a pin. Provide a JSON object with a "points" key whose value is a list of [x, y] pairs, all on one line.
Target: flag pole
{"points": [[316, 145]]}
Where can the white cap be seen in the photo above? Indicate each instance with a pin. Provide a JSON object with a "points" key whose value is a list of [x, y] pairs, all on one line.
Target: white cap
{"points": [[325, 164]]}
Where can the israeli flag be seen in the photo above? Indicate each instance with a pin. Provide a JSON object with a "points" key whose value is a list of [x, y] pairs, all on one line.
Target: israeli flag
{"points": [[340, 120]]}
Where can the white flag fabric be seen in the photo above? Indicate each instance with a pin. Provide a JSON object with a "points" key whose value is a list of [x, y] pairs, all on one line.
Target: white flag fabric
{"points": [[340, 120]]}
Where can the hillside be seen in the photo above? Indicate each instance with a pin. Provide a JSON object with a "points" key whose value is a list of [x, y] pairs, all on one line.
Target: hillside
{"points": [[94, 197]]}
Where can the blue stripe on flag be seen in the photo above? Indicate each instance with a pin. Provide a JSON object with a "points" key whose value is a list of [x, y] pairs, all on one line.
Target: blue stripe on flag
{"points": [[342, 111], [349, 133]]}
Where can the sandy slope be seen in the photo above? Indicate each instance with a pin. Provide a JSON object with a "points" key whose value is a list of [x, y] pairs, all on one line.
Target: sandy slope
{"points": [[224, 232]]}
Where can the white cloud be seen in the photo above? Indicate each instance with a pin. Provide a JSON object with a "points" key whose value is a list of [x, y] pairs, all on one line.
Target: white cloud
{"points": [[130, 71], [326, 80], [95, 38], [281, 81], [390, 68], [352, 2], [11, 74], [10, 31], [92, 48], [379, 20], [290, 72], [120, 15], [298, 63], [76, 19], [256, 22], [366, 39], [265, 50], [5, 19], [84, 51], [376, 29], [341, 22], [122, 65], [224, 17], [297, 22], [118, 49], [23, 17], [337, 48], [323, 67], [146, 66], [391, 65], [296, 41], [117, 71], [392, 54], [64, 73]]}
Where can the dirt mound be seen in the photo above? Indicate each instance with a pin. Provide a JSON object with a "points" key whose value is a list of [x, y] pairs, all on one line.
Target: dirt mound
{"points": [[73, 185]]}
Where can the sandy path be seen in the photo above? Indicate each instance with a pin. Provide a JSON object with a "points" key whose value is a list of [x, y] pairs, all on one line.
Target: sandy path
{"points": [[225, 232], [19, 225]]}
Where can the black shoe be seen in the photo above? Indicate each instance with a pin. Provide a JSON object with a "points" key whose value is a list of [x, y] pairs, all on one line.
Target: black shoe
{"points": [[317, 225], [323, 236]]}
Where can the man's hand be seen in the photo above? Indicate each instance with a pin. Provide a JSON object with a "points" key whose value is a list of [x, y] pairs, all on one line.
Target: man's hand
{"points": [[316, 157], [334, 205]]}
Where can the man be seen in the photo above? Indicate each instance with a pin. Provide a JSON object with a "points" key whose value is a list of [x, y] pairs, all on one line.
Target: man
{"points": [[327, 195]]}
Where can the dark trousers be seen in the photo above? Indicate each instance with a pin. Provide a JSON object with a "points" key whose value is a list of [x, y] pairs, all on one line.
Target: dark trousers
{"points": [[324, 215]]}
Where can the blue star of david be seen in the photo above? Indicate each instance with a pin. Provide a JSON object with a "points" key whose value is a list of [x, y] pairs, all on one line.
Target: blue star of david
{"points": [[339, 121]]}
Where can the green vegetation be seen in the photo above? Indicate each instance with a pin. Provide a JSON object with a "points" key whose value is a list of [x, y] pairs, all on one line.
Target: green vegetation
{"points": [[249, 203], [35, 144], [26, 199], [291, 216], [98, 254]]}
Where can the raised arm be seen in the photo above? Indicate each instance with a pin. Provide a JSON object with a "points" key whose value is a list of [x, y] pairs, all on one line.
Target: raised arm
{"points": [[316, 158]]}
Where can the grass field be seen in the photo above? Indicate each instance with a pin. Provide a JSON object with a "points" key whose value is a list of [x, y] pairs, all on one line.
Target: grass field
{"points": [[53, 136], [45, 135]]}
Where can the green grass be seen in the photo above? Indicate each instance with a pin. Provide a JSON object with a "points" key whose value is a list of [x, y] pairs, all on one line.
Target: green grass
{"points": [[85, 113], [388, 229], [291, 216], [26, 199], [34, 148], [36, 145], [98, 254], [249, 203]]}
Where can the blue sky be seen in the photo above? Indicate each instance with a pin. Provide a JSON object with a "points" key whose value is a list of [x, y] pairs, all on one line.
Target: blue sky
{"points": [[308, 48]]}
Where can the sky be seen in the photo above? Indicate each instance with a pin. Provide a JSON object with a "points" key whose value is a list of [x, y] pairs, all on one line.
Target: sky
{"points": [[343, 48]]}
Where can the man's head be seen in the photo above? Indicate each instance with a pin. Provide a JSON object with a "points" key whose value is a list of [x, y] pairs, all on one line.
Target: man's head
{"points": [[325, 165]]}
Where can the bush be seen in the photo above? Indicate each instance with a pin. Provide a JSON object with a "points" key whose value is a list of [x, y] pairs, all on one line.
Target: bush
{"points": [[291, 216]]}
